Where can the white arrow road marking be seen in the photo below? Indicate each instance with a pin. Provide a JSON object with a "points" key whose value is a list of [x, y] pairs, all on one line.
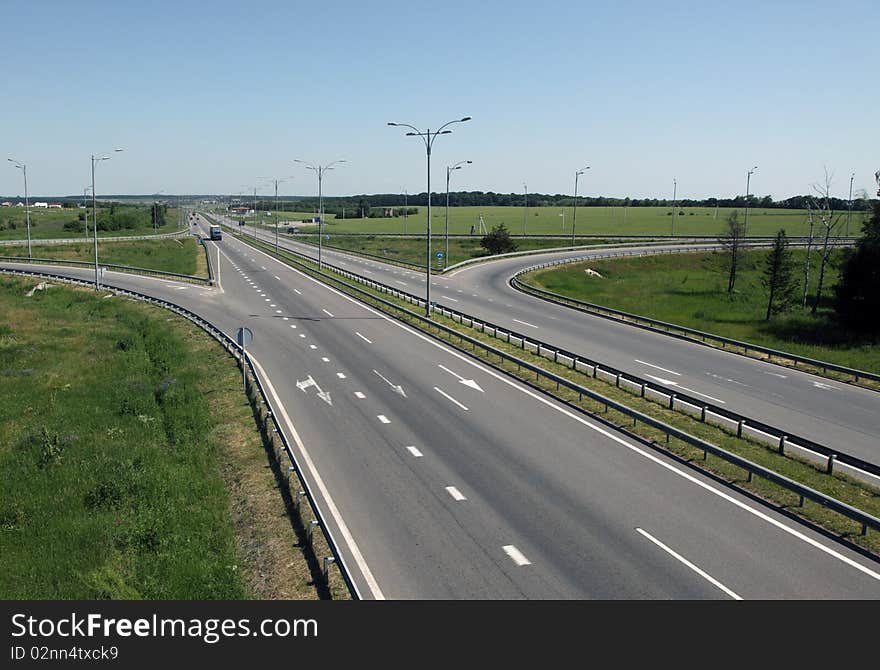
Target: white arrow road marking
{"points": [[450, 398], [466, 382], [651, 365], [693, 567], [669, 382], [323, 395], [394, 387]]}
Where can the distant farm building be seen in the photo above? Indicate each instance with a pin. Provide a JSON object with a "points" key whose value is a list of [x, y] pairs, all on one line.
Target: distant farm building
{"points": [[41, 205], [55, 205]]}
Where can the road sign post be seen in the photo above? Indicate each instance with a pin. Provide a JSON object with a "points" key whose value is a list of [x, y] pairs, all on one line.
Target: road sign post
{"points": [[244, 337]]}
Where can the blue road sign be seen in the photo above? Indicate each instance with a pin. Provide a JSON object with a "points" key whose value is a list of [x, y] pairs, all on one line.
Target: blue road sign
{"points": [[439, 254]]}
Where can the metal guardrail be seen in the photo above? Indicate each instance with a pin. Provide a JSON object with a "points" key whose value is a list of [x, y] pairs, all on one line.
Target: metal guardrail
{"points": [[804, 492], [121, 268], [683, 402], [232, 347], [664, 327], [74, 240]]}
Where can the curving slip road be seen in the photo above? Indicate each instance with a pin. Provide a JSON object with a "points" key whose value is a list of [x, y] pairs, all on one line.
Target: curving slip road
{"points": [[450, 480], [829, 412]]}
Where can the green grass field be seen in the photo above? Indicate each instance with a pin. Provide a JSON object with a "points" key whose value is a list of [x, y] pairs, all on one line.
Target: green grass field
{"points": [[181, 255], [49, 224], [701, 221], [110, 453], [690, 290]]}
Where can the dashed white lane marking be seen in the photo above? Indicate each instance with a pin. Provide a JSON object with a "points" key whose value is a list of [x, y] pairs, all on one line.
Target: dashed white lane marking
{"points": [[267, 299], [277, 277], [273, 305], [693, 567], [302, 335], [774, 374], [359, 395], [383, 418], [327, 313], [526, 323], [363, 338], [278, 311], [448, 298], [402, 283], [669, 382], [516, 555], [313, 346], [651, 365], [297, 291], [341, 375], [285, 318], [293, 326], [455, 493], [450, 398], [325, 359], [415, 452]]}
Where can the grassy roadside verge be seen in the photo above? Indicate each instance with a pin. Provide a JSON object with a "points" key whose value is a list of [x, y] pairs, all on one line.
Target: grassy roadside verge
{"points": [[130, 462], [183, 256], [838, 485], [689, 289]]}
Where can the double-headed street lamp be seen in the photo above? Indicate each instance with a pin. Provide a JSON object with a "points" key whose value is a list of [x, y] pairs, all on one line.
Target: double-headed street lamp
{"points": [[97, 159], [428, 138], [276, 181], [748, 184], [27, 204], [449, 171], [320, 170], [575, 217]]}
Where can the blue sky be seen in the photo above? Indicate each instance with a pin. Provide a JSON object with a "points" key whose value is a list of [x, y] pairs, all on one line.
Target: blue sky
{"points": [[207, 97]]}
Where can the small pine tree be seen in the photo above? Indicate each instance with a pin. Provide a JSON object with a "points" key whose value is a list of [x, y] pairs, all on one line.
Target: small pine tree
{"points": [[857, 294], [498, 241], [778, 277]]}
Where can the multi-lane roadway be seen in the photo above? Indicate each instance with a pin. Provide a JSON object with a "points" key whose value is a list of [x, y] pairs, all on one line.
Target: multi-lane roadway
{"points": [[442, 478]]}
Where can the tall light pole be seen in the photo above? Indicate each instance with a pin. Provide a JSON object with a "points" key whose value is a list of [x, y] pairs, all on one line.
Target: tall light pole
{"points": [[849, 213], [525, 207], [748, 183], [27, 204], [575, 217], [320, 170], [276, 181], [674, 193], [95, 212], [428, 138], [449, 171]]}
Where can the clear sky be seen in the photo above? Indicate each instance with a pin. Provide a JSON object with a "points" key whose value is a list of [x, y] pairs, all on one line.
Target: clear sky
{"points": [[206, 97]]}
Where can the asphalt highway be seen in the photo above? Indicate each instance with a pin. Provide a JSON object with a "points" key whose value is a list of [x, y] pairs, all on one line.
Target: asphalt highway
{"points": [[442, 478], [834, 413]]}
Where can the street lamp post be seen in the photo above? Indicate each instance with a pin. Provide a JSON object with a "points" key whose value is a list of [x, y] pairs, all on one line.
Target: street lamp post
{"points": [[748, 184], [575, 217], [449, 171], [525, 207], [276, 182], [27, 204], [320, 170], [95, 213], [674, 193], [849, 213], [428, 138]]}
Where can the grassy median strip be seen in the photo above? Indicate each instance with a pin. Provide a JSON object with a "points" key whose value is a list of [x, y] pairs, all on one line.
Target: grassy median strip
{"points": [[181, 255], [837, 485], [130, 462]]}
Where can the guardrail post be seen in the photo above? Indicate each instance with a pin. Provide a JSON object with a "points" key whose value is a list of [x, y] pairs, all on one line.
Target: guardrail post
{"points": [[617, 380], [782, 441], [642, 391], [739, 428], [328, 560], [311, 531], [703, 414], [671, 401], [297, 500], [829, 469]]}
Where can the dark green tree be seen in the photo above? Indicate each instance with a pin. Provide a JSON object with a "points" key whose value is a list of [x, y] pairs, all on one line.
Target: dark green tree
{"points": [[778, 277], [498, 241], [857, 293]]}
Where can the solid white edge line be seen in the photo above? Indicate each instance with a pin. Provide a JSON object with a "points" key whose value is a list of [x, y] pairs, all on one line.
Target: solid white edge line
{"points": [[559, 408], [705, 575], [526, 323], [672, 372], [325, 494]]}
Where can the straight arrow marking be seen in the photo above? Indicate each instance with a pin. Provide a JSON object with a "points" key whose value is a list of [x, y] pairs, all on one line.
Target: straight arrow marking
{"points": [[467, 382], [395, 387]]}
